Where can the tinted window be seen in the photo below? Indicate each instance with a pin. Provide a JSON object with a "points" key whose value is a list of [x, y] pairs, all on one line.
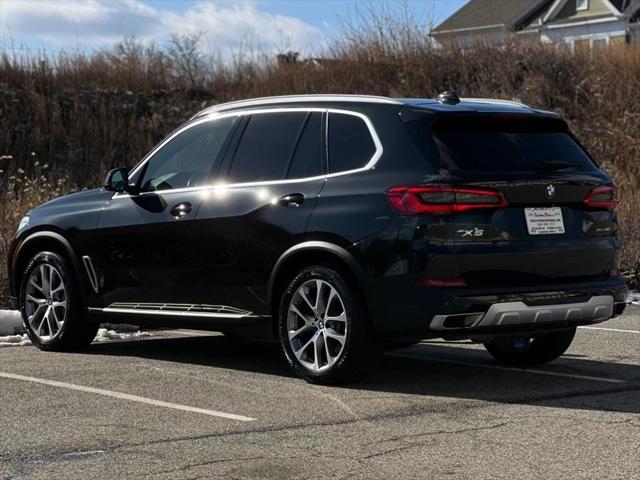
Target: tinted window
{"points": [[508, 144], [266, 147], [187, 159], [350, 143], [307, 158]]}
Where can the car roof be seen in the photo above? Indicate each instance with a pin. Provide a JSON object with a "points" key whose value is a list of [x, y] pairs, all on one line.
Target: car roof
{"points": [[469, 105], [475, 105]]}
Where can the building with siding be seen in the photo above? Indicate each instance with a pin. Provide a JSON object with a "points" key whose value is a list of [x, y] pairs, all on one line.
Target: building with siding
{"points": [[576, 23]]}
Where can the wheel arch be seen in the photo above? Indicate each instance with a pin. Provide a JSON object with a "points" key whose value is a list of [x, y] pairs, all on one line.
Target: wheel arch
{"points": [[36, 242], [306, 254]]}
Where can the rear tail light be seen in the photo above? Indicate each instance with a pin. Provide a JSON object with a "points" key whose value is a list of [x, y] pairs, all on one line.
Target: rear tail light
{"points": [[443, 199], [602, 197]]}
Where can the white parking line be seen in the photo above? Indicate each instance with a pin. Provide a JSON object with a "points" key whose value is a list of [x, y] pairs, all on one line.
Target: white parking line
{"points": [[126, 396], [512, 369], [610, 329]]}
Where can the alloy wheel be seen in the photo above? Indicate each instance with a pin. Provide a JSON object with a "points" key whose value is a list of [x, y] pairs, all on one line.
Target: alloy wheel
{"points": [[45, 302], [317, 325]]}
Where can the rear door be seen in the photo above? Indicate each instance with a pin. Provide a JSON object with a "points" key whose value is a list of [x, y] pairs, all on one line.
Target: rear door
{"points": [[558, 224], [268, 188]]}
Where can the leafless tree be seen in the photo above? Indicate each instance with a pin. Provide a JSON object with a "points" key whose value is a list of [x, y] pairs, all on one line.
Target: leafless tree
{"points": [[185, 54]]}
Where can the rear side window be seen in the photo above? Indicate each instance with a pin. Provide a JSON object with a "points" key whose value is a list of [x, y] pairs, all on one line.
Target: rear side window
{"points": [[507, 144], [350, 143], [307, 157], [266, 146]]}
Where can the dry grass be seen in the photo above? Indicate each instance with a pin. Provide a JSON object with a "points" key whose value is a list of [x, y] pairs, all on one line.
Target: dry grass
{"points": [[19, 193], [83, 114]]}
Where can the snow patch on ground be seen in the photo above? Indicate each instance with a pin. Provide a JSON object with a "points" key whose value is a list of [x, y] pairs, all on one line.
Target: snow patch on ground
{"points": [[633, 298], [120, 327], [12, 332], [10, 322], [14, 340], [105, 335]]}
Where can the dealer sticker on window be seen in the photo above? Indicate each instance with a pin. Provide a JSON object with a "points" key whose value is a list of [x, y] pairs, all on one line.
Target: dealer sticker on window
{"points": [[544, 221]]}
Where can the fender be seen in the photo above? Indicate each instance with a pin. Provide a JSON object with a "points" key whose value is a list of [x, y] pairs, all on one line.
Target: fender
{"points": [[316, 245], [48, 234]]}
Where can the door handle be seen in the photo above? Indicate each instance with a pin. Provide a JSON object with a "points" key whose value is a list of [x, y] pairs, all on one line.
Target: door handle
{"points": [[292, 200], [181, 210]]}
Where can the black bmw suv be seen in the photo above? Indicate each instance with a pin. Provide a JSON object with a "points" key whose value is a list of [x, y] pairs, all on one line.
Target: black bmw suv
{"points": [[341, 225]]}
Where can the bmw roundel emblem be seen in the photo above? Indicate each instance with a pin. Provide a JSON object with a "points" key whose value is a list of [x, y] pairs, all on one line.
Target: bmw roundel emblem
{"points": [[551, 191]]}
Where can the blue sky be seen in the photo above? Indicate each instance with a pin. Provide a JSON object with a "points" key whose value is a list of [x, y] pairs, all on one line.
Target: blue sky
{"points": [[229, 25]]}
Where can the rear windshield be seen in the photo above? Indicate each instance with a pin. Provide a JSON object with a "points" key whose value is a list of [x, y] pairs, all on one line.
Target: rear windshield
{"points": [[489, 144]]}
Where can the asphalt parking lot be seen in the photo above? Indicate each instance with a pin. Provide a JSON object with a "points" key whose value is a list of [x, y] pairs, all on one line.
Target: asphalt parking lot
{"points": [[186, 405]]}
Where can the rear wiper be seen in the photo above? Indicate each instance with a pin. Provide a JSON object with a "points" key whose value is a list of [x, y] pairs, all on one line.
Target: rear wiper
{"points": [[557, 165]]}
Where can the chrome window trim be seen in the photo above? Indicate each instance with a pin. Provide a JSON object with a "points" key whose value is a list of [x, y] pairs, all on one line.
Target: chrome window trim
{"points": [[374, 136], [256, 102], [370, 165]]}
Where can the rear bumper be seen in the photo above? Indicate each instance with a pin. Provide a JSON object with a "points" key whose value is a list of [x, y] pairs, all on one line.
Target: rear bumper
{"points": [[596, 309], [466, 313]]}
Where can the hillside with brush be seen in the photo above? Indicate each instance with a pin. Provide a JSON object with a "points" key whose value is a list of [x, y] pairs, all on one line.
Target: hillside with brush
{"points": [[65, 120]]}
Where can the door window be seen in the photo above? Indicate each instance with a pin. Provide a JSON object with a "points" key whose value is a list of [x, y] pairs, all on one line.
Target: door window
{"points": [[307, 157], [350, 143], [187, 159], [267, 144]]}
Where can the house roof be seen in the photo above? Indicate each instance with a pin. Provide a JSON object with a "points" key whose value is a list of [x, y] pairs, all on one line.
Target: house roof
{"points": [[616, 9], [633, 11], [518, 14], [478, 14], [629, 8], [625, 6]]}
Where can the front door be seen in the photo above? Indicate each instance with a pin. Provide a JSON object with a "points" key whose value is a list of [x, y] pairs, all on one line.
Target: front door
{"points": [[145, 244]]}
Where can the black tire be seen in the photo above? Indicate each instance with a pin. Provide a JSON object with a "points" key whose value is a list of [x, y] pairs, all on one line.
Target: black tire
{"points": [[76, 332], [525, 352], [361, 351]]}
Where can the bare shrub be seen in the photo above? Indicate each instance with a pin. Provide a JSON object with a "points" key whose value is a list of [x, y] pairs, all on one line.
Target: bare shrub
{"points": [[185, 54], [20, 193]]}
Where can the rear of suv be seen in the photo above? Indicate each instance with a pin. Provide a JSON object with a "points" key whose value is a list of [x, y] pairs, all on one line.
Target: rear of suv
{"points": [[341, 225]]}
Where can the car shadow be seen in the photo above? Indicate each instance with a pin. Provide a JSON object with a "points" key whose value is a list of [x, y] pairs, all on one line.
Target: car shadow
{"points": [[451, 371]]}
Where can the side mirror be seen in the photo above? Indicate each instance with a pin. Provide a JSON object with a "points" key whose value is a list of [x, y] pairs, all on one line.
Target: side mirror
{"points": [[118, 180]]}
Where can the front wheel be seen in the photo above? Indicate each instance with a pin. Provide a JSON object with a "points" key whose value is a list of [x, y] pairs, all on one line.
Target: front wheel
{"points": [[524, 352], [50, 305], [324, 330]]}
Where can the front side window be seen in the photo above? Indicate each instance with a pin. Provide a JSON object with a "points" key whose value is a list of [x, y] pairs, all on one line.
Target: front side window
{"points": [[187, 159], [350, 143], [267, 145]]}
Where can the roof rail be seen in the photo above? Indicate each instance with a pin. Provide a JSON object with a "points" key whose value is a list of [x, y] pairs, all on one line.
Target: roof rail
{"points": [[495, 101], [253, 102]]}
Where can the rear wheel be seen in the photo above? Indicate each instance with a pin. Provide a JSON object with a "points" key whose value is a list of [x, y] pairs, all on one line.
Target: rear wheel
{"points": [[324, 330], [50, 305], [524, 351]]}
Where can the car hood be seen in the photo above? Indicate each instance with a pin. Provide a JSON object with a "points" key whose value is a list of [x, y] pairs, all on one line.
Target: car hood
{"points": [[85, 196]]}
